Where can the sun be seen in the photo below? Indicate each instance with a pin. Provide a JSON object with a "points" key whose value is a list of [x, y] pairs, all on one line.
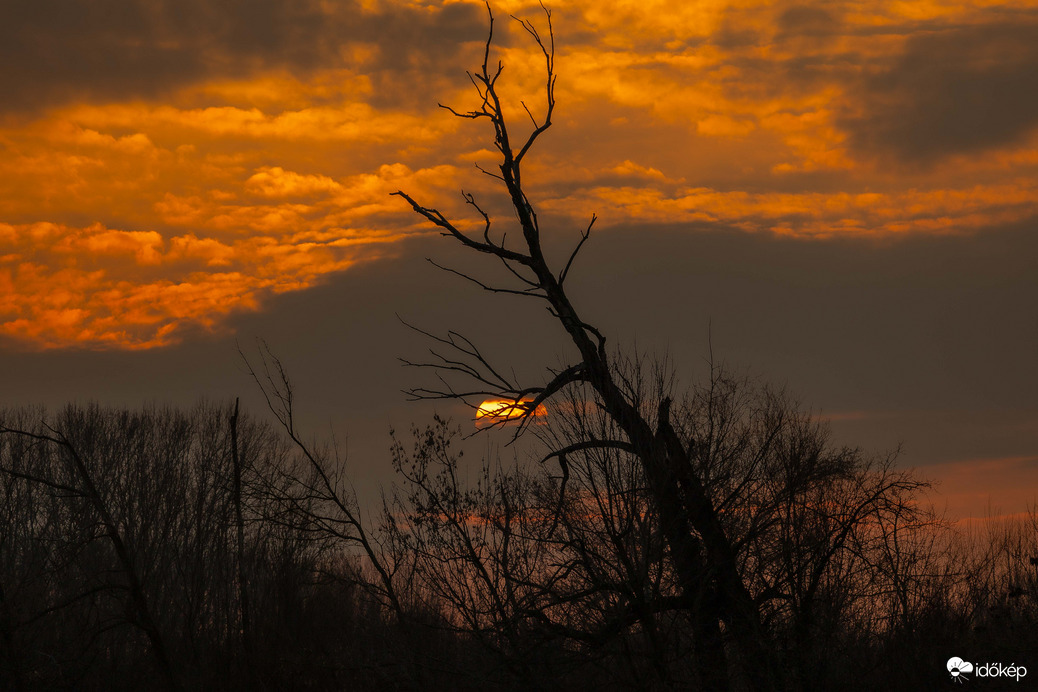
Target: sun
{"points": [[498, 411]]}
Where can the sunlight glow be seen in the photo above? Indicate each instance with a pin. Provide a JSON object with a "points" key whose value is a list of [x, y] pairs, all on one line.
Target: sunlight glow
{"points": [[498, 411]]}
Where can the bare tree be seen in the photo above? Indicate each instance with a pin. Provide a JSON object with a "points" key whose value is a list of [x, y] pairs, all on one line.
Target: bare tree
{"points": [[75, 479], [833, 545], [754, 507], [700, 547], [123, 537], [316, 489]]}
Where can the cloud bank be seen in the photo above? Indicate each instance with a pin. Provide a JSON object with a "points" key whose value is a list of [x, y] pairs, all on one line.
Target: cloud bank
{"points": [[167, 164]]}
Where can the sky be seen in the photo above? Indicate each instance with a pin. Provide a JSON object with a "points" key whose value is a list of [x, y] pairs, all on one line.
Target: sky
{"points": [[838, 197]]}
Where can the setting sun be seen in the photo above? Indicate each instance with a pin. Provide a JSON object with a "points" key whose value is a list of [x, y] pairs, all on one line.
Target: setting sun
{"points": [[504, 410]]}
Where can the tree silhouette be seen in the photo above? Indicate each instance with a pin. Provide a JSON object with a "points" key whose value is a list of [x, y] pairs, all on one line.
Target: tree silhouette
{"points": [[700, 547], [738, 488]]}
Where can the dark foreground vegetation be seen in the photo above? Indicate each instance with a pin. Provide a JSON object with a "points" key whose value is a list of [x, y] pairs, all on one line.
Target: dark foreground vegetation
{"points": [[710, 538], [201, 549]]}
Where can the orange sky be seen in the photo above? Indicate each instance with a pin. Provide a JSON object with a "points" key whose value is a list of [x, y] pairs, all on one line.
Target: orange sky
{"points": [[840, 195], [166, 165]]}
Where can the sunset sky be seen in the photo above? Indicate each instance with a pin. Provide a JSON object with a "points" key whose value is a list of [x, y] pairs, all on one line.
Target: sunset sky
{"points": [[839, 196]]}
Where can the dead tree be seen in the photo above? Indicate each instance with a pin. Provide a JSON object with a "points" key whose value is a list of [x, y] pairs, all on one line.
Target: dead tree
{"points": [[702, 553]]}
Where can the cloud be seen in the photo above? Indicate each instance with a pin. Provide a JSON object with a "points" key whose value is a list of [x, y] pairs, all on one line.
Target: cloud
{"points": [[170, 141], [99, 288], [804, 20], [957, 90], [56, 51], [207, 256], [809, 214], [276, 182]]}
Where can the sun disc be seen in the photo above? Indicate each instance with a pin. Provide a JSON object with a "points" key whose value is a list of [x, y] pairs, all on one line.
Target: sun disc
{"points": [[496, 411]]}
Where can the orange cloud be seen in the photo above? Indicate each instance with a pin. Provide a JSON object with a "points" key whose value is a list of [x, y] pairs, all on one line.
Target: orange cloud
{"points": [[100, 288], [137, 207], [276, 182]]}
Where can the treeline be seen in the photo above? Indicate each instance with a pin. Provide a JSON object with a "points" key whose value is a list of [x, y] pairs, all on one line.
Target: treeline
{"points": [[204, 549]]}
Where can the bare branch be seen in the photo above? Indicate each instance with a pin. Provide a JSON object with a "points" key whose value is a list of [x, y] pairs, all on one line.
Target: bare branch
{"points": [[493, 175], [515, 272], [74, 492], [571, 375], [583, 239], [347, 525], [549, 61], [585, 445], [527, 293], [438, 219]]}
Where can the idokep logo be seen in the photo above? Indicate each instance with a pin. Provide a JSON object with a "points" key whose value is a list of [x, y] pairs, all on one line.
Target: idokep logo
{"points": [[960, 670]]}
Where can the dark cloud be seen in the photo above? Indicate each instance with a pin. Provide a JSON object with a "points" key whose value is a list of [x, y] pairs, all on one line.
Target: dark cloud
{"points": [[55, 51], [800, 56], [803, 20], [957, 91]]}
